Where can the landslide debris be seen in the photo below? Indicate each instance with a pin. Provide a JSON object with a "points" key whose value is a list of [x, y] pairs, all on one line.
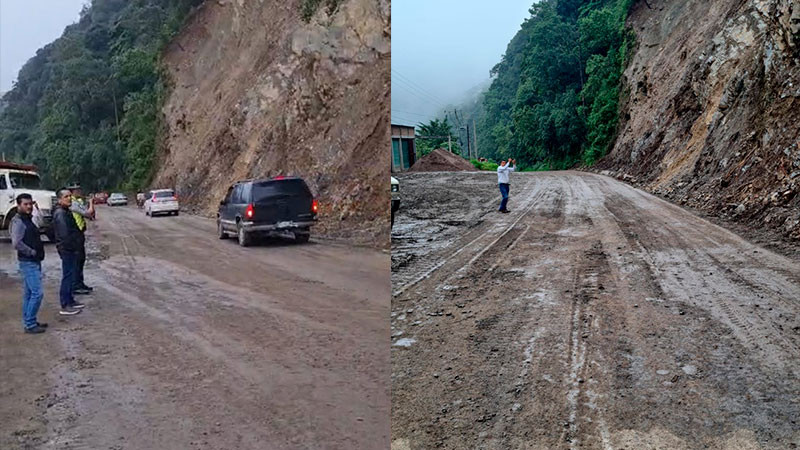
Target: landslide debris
{"points": [[440, 160], [257, 91], [712, 106]]}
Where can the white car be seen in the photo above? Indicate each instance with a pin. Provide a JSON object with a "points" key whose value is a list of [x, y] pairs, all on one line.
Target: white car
{"points": [[117, 199], [161, 201]]}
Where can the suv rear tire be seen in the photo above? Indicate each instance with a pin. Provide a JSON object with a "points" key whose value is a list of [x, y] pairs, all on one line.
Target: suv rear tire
{"points": [[302, 237], [245, 239], [220, 231]]}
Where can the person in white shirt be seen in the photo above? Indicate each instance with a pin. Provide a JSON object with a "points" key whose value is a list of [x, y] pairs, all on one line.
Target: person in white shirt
{"points": [[503, 170]]}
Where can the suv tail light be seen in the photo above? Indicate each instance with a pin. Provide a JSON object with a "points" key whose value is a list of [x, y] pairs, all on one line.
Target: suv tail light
{"points": [[250, 211], [314, 206]]}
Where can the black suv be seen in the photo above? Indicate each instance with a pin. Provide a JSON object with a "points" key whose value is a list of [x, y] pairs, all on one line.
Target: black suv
{"points": [[275, 205]]}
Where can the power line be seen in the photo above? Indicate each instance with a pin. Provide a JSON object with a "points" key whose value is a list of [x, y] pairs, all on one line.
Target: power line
{"points": [[399, 118], [427, 99], [402, 82], [413, 83], [413, 113]]}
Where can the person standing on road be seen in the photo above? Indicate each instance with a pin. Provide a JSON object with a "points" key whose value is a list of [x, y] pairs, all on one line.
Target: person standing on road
{"points": [[30, 254], [503, 170], [81, 214], [68, 241]]}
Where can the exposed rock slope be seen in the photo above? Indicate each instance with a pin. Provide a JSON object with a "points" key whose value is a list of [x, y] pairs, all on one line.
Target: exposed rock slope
{"points": [[712, 114], [256, 91]]}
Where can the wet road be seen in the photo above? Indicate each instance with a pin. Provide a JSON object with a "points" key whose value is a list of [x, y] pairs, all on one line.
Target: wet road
{"points": [[193, 342], [593, 316]]}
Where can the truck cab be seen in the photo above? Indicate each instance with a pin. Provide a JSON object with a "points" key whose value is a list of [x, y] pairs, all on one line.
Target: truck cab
{"points": [[17, 179]]}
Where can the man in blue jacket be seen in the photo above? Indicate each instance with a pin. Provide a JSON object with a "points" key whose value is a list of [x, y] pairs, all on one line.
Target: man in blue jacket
{"points": [[68, 242], [30, 254]]}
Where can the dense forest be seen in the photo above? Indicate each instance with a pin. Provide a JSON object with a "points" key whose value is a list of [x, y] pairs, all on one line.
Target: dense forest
{"points": [[553, 101], [86, 107]]}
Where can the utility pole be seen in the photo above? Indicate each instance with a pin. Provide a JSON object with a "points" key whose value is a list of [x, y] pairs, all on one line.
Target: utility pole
{"points": [[475, 135], [469, 148], [449, 143]]}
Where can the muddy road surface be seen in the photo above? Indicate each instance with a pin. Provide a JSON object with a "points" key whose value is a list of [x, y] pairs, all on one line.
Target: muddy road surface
{"points": [[190, 342], [594, 315]]}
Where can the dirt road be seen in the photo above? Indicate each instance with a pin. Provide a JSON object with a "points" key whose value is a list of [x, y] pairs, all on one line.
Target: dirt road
{"points": [[192, 342], [593, 316]]}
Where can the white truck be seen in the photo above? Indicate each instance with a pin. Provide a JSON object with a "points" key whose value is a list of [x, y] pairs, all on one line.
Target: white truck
{"points": [[17, 179]]}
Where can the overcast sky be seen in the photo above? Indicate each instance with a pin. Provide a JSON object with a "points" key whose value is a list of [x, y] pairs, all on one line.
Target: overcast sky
{"points": [[441, 49], [28, 25]]}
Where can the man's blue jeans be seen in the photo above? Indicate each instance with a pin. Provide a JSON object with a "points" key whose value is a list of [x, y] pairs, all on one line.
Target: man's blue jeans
{"points": [[69, 270], [31, 291], [505, 188]]}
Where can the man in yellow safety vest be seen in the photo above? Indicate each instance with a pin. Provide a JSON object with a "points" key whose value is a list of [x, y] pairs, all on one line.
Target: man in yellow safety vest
{"points": [[81, 214]]}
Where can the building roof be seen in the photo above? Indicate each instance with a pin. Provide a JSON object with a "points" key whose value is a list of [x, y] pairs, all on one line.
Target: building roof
{"points": [[10, 165]]}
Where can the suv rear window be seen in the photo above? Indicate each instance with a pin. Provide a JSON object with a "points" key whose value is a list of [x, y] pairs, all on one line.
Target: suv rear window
{"points": [[165, 194], [265, 189]]}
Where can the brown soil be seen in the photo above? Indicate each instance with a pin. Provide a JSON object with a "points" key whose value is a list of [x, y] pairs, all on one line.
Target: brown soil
{"points": [[194, 342], [710, 110], [594, 315], [440, 160], [257, 92]]}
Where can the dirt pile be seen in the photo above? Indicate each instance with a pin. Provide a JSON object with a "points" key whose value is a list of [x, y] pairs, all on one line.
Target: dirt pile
{"points": [[712, 107], [258, 92], [440, 160]]}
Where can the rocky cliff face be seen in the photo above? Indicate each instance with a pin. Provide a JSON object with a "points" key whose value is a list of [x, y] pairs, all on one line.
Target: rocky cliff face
{"points": [[711, 117], [256, 91]]}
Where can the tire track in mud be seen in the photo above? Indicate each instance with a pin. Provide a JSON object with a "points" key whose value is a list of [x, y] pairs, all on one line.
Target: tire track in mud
{"points": [[662, 371], [756, 332], [482, 267], [479, 232], [487, 267], [219, 338], [588, 286]]}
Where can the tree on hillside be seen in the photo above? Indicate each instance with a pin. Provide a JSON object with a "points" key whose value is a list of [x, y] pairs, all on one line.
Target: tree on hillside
{"points": [[439, 130], [85, 107], [555, 93]]}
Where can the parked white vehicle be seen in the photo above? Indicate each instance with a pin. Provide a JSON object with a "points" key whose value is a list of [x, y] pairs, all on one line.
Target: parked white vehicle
{"points": [[17, 179], [117, 199], [161, 201]]}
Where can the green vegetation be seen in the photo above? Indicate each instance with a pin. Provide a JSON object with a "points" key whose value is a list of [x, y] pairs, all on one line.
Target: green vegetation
{"points": [[310, 7], [554, 98], [86, 108], [439, 128], [486, 165]]}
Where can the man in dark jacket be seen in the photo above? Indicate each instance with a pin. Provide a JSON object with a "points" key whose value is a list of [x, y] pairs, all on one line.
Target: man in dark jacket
{"points": [[30, 253], [81, 214], [68, 241]]}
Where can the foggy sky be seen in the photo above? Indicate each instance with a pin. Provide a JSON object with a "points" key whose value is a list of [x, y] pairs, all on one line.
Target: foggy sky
{"points": [[443, 48], [28, 25]]}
